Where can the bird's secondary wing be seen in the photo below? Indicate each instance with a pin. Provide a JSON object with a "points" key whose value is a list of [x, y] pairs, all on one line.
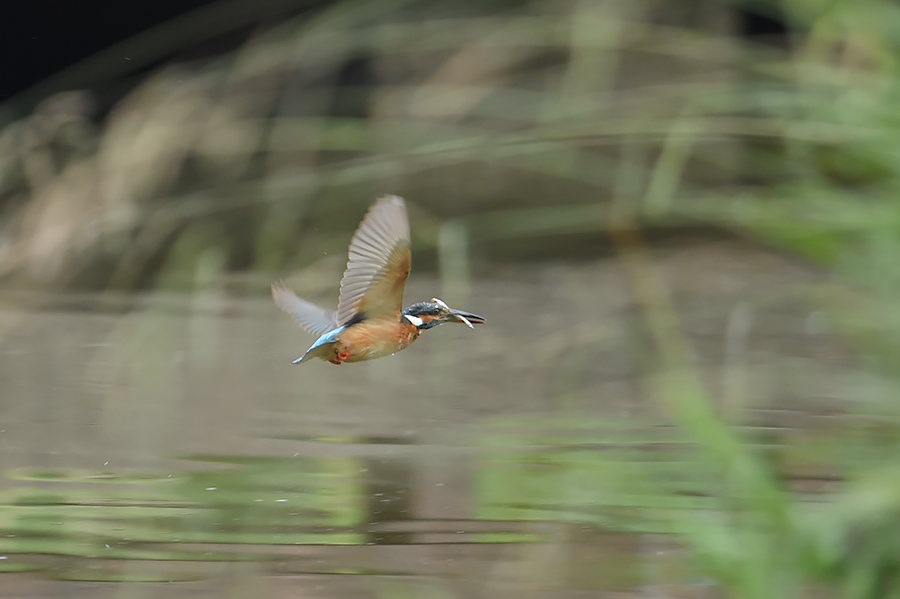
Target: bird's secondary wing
{"points": [[379, 264], [311, 317]]}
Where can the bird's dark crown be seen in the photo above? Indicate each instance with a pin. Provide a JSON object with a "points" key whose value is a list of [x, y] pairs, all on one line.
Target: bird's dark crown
{"points": [[424, 309]]}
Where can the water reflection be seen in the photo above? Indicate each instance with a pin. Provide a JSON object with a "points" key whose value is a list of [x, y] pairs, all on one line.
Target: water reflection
{"points": [[389, 499], [289, 515], [171, 441]]}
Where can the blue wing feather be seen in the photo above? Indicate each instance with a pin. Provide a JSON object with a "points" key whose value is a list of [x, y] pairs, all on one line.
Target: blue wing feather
{"points": [[314, 349]]}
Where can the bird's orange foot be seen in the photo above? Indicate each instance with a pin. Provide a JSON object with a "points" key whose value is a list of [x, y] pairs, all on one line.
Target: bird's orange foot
{"points": [[343, 355], [335, 362]]}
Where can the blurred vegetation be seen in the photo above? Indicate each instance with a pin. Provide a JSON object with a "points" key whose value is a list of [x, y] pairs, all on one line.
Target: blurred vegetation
{"points": [[524, 130]]}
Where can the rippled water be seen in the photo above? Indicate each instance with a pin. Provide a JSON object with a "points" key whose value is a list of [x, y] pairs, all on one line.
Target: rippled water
{"points": [[163, 446]]}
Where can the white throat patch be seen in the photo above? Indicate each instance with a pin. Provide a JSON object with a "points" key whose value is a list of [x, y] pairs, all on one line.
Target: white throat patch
{"points": [[414, 320]]}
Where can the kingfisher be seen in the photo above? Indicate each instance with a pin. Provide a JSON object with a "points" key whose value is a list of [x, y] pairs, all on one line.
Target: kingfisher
{"points": [[370, 321]]}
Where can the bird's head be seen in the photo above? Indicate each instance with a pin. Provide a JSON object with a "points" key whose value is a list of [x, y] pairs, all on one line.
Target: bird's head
{"points": [[426, 315]]}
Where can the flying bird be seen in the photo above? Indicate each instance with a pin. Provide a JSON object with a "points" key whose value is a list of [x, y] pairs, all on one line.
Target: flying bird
{"points": [[370, 321]]}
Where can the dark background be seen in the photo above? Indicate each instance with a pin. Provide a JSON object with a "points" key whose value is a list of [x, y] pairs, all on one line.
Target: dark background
{"points": [[44, 37], [39, 39], [51, 46]]}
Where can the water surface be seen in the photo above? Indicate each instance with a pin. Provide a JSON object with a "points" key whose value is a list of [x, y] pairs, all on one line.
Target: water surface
{"points": [[163, 446]]}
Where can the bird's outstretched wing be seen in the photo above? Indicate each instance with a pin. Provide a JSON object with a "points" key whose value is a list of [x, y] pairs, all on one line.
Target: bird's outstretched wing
{"points": [[379, 264], [311, 317]]}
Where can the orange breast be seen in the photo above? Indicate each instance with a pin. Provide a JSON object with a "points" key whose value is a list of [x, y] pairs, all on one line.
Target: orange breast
{"points": [[375, 339]]}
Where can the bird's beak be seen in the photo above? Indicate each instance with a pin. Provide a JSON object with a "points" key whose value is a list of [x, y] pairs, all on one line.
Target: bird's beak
{"points": [[467, 318], [451, 315]]}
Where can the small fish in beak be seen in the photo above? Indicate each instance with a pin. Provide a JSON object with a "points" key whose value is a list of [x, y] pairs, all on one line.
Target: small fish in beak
{"points": [[449, 314]]}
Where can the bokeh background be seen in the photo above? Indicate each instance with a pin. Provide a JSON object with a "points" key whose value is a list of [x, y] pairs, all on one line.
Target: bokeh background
{"points": [[680, 219]]}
